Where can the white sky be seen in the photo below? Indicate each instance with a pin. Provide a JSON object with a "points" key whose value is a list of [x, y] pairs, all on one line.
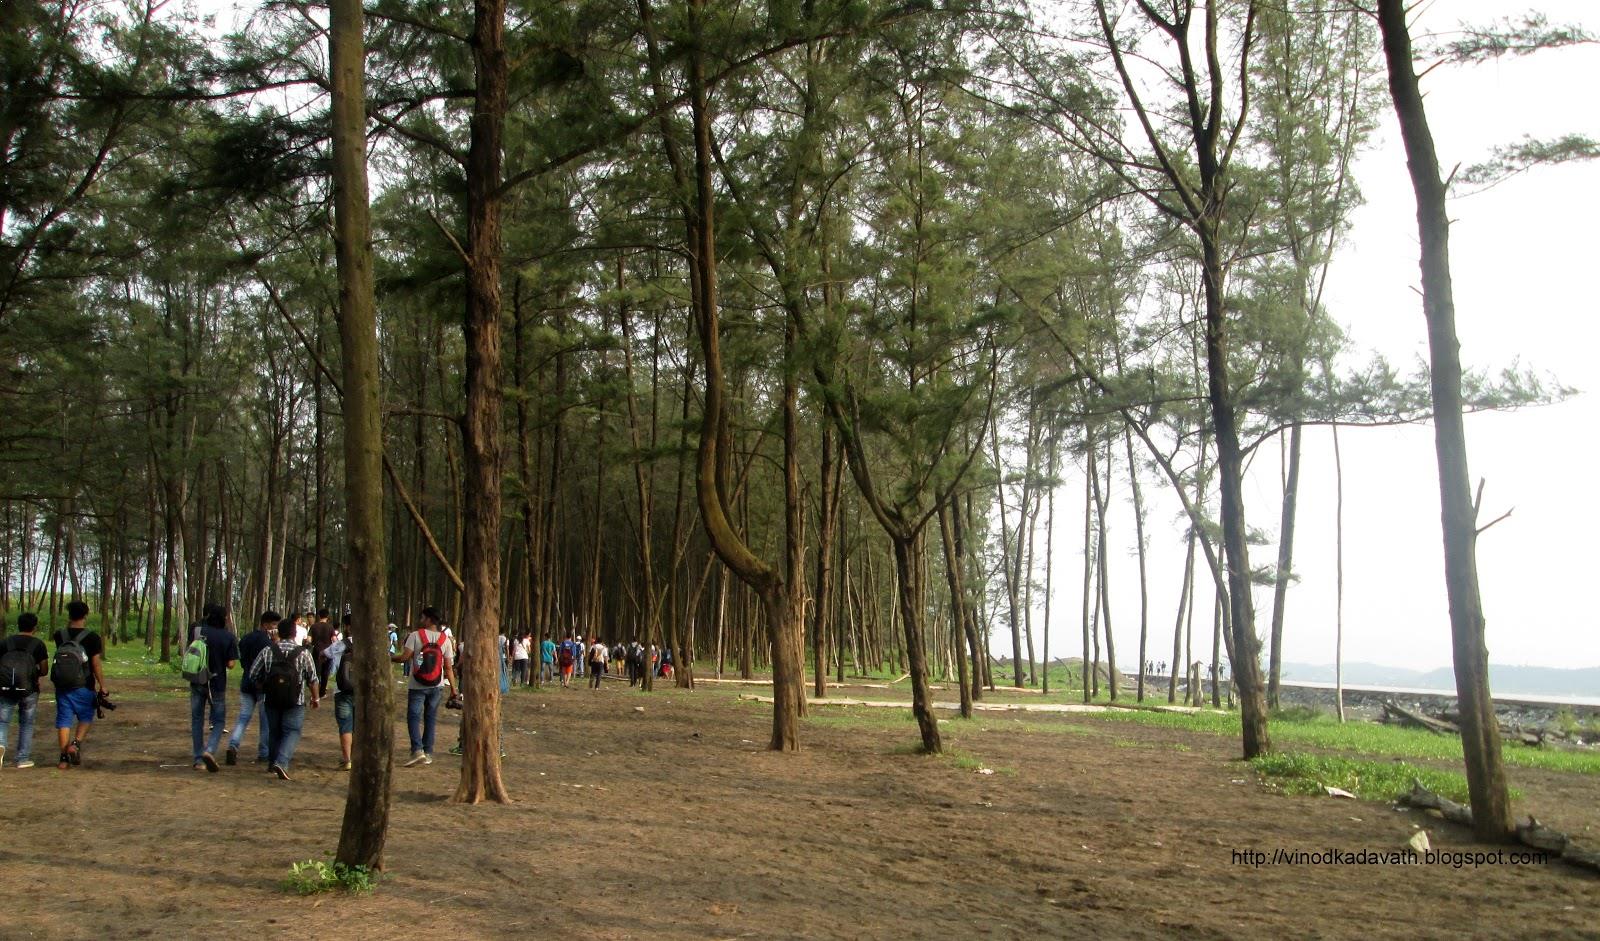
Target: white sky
{"points": [[1523, 257]]}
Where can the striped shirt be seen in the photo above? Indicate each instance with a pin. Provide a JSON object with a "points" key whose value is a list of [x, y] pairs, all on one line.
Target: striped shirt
{"points": [[302, 660]]}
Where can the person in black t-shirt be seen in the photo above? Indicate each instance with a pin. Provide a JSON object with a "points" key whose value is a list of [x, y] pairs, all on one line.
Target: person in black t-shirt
{"points": [[222, 655], [25, 707], [76, 695], [251, 701]]}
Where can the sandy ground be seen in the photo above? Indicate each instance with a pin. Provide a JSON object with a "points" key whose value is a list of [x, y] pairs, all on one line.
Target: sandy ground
{"points": [[675, 823]]}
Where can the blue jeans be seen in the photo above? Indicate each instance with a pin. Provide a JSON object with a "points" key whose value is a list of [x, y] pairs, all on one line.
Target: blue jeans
{"points": [[249, 705], [199, 697], [422, 716], [283, 727], [26, 710]]}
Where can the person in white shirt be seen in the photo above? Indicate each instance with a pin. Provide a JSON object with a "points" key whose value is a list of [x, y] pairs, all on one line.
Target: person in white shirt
{"points": [[519, 660], [599, 653]]}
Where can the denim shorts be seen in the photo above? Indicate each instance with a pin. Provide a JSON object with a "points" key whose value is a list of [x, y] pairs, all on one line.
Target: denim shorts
{"points": [[74, 704], [344, 712]]}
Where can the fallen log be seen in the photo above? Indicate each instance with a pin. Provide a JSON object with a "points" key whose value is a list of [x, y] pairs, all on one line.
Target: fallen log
{"points": [[1531, 834], [1404, 716]]}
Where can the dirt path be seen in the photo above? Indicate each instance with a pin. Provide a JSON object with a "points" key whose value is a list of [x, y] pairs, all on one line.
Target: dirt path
{"points": [[675, 823]]}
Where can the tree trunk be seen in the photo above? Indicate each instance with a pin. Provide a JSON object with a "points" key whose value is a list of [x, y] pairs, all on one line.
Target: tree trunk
{"points": [[479, 628], [1280, 581], [1338, 567], [1480, 733], [1144, 579], [1230, 466], [831, 475], [777, 598], [1088, 666], [1185, 598], [958, 601], [366, 809], [910, 597]]}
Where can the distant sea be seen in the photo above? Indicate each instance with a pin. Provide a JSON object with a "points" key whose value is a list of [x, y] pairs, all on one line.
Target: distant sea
{"points": [[1544, 684]]}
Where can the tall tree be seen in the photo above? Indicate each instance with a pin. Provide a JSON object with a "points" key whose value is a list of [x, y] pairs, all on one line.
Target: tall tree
{"points": [[366, 810], [1480, 731]]}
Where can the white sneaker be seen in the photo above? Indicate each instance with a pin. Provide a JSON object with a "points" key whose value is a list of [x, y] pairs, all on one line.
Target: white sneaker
{"points": [[418, 758], [427, 759], [25, 763]]}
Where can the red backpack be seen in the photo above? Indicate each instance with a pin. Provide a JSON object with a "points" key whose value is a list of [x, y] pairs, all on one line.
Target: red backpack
{"points": [[430, 660]]}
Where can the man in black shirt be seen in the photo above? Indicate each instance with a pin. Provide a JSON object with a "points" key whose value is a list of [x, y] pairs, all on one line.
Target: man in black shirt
{"points": [[250, 698], [222, 655], [79, 678], [31, 660]]}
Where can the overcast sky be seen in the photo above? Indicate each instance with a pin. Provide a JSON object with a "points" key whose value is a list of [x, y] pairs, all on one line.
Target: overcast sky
{"points": [[1524, 257]]}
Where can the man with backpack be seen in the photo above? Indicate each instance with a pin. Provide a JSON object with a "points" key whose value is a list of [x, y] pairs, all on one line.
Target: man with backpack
{"points": [[251, 700], [432, 655], [283, 672], [23, 659], [567, 658], [78, 674], [599, 653], [213, 650]]}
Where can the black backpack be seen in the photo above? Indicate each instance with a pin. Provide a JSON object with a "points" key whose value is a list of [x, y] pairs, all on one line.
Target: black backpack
{"points": [[70, 668], [281, 687], [341, 675], [17, 672]]}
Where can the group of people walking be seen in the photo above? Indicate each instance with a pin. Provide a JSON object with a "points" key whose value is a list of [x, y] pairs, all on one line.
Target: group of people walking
{"points": [[575, 657], [288, 664], [77, 671]]}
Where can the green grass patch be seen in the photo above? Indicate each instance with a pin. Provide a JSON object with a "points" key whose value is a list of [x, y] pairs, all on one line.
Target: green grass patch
{"points": [[1321, 731], [1298, 773], [965, 761], [316, 875], [863, 718]]}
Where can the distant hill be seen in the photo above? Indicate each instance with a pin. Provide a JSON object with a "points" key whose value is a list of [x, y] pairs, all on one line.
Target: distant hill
{"points": [[1503, 679]]}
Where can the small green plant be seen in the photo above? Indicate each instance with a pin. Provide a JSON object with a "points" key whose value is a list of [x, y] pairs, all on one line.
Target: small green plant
{"points": [[1567, 722], [317, 875]]}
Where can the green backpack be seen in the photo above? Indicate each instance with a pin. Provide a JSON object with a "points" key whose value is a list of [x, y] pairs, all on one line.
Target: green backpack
{"points": [[196, 663]]}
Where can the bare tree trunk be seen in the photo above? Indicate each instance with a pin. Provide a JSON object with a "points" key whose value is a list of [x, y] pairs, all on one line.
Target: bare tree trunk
{"points": [[1088, 563], [831, 476], [777, 598], [1144, 579], [1338, 565], [1100, 498], [1480, 732], [366, 809], [1049, 567], [480, 556], [958, 601], [1185, 599], [1280, 581]]}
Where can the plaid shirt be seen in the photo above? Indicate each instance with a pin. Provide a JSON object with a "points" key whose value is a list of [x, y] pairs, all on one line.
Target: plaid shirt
{"points": [[302, 661]]}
